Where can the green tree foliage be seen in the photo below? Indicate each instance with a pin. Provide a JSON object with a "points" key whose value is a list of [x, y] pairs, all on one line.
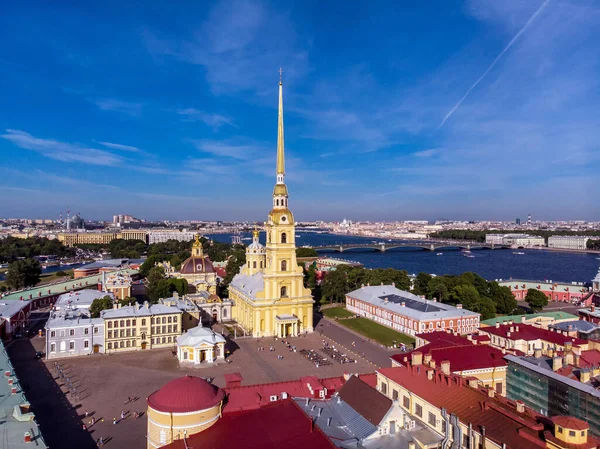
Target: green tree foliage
{"points": [[23, 273], [310, 276], [503, 298], [306, 252], [12, 248], [100, 304], [127, 249], [593, 244], [438, 289], [129, 301], [421, 285], [536, 299], [161, 287], [235, 261], [335, 286]]}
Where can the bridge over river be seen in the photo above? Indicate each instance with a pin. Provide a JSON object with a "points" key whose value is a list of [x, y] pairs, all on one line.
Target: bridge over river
{"points": [[428, 246]]}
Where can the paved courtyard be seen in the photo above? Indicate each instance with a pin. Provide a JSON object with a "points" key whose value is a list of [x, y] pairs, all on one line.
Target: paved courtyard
{"points": [[104, 382]]}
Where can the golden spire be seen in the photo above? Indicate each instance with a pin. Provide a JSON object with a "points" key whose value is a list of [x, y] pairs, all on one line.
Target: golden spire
{"points": [[280, 149], [255, 233]]}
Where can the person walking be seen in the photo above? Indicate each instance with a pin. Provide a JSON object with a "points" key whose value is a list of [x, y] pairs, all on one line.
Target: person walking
{"points": [[114, 420]]}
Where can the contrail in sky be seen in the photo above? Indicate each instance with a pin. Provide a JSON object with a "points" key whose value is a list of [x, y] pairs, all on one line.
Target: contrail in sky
{"points": [[512, 41]]}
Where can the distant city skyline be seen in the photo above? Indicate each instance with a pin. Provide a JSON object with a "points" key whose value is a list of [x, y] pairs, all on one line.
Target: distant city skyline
{"points": [[477, 110]]}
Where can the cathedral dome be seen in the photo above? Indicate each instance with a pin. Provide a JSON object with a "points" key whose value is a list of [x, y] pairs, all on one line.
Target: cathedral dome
{"points": [[197, 265], [280, 189], [186, 394]]}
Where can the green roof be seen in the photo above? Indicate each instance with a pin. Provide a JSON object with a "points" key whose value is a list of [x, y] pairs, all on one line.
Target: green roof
{"points": [[529, 316], [61, 287]]}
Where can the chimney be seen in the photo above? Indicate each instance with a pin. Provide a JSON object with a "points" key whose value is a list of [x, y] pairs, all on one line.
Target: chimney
{"points": [[584, 375], [430, 374], [520, 406], [27, 437], [411, 445], [550, 352], [516, 328], [329, 421], [320, 411], [497, 324], [491, 392], [403, 304], [393, 284], [417, 358], [557, 363], [592, 308], [512, 329], [445, 365], [115, 306], [577, 360], [427, 359], [508, 334], [459, 306], [473, 382], [523, 319], [569, 358], [568, 345], [537, 353]]}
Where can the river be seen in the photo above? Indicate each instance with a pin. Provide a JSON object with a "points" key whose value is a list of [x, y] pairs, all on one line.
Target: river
{"points": [[491, 264]]}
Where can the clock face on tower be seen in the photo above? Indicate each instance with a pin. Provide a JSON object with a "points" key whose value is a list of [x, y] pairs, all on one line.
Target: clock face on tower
{"points": [[283, 218]]}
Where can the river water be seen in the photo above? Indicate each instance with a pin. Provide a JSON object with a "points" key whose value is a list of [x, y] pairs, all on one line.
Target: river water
{"points": [[490, 264]]}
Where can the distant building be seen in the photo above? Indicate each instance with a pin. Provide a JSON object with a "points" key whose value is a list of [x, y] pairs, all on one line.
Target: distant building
{"points": [[540, 319], [554, 291], [518, 222], [163, 235], [118, 283], [408, 313], [568, 241], [100, 238], [515, 239]]}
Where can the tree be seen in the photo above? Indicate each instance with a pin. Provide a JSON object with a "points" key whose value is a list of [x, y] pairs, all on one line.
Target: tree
{"points": [[486, 308], [334, 286], [234, 263], [100, 304], [467, 295], [536, 299], [503, 298], [129, 301], [310, 277], [23, 273], [438, 288], [306, 252], [421, 284]]}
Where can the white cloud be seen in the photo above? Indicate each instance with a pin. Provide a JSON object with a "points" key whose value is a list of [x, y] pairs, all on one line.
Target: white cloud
{"points": [[428, 153], [118, 146], [113, 104], [61, 151], [215, 121]]}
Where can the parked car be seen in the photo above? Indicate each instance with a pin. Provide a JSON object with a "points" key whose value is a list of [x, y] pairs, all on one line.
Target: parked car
{"points": [[39, 355]]}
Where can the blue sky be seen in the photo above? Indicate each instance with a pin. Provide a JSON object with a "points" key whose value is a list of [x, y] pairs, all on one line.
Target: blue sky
{"points": [[393, 110]]}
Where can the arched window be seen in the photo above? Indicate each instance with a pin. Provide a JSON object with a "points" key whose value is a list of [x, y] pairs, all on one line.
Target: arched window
{"points": [[143, 321], [254, 264], [224, 313], [128, 323], [284, 265], [277, 202], [283, 292], [283, 237], [261, 264], [122, 323]]}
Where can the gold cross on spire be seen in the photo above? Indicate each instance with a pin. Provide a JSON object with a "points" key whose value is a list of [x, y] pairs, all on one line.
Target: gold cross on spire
{"points": [[280, 73]]}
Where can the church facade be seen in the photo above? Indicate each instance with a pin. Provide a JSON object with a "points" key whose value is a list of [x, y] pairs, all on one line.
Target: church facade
{"points": [[269, 294], [198, 270]]}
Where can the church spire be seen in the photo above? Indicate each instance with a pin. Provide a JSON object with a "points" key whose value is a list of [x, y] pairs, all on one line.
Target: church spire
{"points": [[280, 147]]}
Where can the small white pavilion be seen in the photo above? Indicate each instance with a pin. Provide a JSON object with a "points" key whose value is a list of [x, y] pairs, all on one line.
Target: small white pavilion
{"points": [[200, 345]]}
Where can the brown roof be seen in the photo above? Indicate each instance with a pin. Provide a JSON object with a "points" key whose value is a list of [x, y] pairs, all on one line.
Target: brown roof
{"points": [[194, 265], [570, 422], [366, 400]]}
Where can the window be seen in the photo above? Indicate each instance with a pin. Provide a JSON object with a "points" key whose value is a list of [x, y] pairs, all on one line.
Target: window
{"points": [[431, 419], [583, 433], [254, 264], [164, 330], [224, 313], [418, 410], [86, 331], [52, 333], [152, 320], [283, 237], [122, 324], [284, 265], [109, 324], [110, 334], [283, 292], [571, 433], [128, 333], [133, 322], [122, 333], [405, 401], [52, 347], [128, 343], [86, 344], [164, 320], [128, 323], [133, 332], [444, 429], [110, 346], [169, 320], [95, 330], [71, 345], [71, 332], [169, 329], [164, 339], [143, 321], [466, 440], [121, 344], [394, 394], [384, 388]]}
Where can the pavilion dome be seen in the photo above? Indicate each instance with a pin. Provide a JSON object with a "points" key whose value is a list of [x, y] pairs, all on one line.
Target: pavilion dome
{"points": [[185, 395]]}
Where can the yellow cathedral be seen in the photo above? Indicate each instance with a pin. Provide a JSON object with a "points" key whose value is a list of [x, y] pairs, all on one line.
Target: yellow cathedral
{"points": [[268, 293]]}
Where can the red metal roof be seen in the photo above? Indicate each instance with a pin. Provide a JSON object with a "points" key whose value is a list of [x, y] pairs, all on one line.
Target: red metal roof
{"points": [[503, 424], [589, 358], [570, 422], [461, 358], [281, 424], [184, 395], [528, 333], [445, 337], [255, 396]]}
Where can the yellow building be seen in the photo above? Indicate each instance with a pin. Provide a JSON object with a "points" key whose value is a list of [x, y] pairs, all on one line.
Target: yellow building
{"points": [[135, 328], [269, 294], [198, 270], [134, 234], [181, 408], [81, 238], [117, 283]]}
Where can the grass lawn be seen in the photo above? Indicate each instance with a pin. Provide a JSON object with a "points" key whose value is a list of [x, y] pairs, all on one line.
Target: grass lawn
{"points": [[337, 312], [376, 331], [53, 276]]}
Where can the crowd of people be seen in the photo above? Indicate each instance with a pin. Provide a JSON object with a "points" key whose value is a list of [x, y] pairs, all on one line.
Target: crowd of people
{"points": [[335, 354], [316, 358]]}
